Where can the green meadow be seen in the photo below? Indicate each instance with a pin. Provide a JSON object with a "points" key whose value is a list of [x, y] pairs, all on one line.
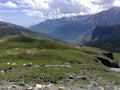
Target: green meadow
{"points": [[51, 60]]}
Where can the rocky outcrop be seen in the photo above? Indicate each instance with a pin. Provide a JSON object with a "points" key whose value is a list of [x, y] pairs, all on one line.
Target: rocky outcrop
{"points": [[106, 37], [107, 59], [108, 62], [109, 55]]}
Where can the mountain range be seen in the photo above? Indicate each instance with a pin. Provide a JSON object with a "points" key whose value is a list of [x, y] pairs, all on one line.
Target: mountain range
{"points": [[78, 29], [97, 30], [24, 58]]}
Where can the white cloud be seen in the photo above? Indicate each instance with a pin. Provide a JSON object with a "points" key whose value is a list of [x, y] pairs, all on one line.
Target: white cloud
{"points": [[48, 9], [116, 3], [55, 9], [34, 13], [50, 14], [88, 4], [34, 4], [9, 4]]}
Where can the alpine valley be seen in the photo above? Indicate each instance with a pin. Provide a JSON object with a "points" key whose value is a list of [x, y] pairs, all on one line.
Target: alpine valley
{"points": [[69, 53], [80, 30]]}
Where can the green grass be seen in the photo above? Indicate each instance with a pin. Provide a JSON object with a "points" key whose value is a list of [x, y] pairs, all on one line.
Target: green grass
{"points": [[117, 56], [45, 52]]}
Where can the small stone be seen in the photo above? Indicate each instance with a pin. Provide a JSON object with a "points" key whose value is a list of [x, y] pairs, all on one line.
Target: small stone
{"points": [[81, 77], [71, 77], [21, 84], [30, 88], [61, 88]]}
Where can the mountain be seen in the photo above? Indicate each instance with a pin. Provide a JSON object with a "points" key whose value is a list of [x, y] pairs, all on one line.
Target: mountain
{"points": [[106, 37], [65, 29], [77, 29], [11, 29]]}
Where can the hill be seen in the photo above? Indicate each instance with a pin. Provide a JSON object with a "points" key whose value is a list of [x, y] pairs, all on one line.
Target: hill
{"points": [[107, 37], [78, 29], [42, 60], [11, 29]]}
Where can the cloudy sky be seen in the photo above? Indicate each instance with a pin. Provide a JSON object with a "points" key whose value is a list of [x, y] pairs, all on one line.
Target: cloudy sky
{"points": [[30, 12]]}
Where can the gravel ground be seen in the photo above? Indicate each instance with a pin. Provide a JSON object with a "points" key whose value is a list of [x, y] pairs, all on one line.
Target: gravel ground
{"points": [[4, 85], [65, 84]]}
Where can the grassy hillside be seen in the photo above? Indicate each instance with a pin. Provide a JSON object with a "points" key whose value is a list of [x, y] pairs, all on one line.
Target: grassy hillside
{"points": [[51, 60], [11, 29]]}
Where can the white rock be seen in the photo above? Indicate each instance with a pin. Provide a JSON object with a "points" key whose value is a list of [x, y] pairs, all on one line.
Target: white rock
{"points": [[14, 64], [8, 63], [36, 66], [24, 64], [100, 88], [50, 85], [2, 71], [61, 88], [14, 87], [37, 87], [30, 63], [30, 88]]}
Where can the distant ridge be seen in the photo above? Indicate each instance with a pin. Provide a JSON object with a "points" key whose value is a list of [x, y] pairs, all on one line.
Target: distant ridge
{"points": [[7, 29], [78, 29]]}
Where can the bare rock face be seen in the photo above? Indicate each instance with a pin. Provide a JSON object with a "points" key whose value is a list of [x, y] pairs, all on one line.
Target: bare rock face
{"points": [[109, 55], [108, 62]]}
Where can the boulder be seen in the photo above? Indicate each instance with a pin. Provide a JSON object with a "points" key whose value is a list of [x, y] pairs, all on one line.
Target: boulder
{"points": [[61, 88], [81, 78], [37, 87], [109, 55], [108, 62]]}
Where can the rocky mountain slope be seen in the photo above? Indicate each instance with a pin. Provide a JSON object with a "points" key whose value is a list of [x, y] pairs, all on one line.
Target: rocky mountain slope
{"points": [[107, 37], [78, 29]]}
